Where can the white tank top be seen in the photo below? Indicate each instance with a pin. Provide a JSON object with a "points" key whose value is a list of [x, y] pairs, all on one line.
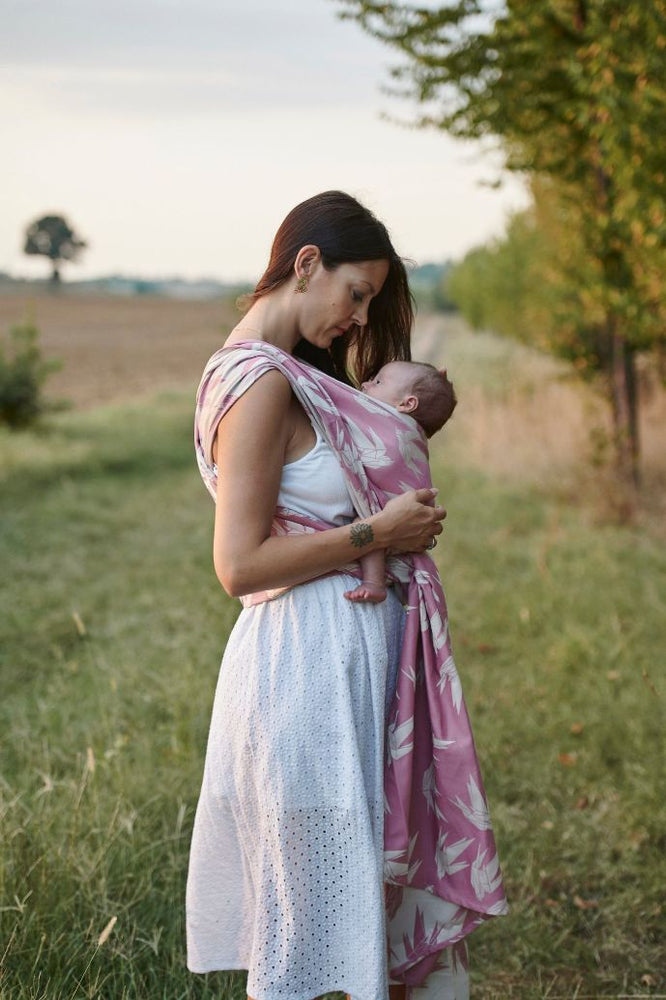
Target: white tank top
{"points": [[315, 484]]}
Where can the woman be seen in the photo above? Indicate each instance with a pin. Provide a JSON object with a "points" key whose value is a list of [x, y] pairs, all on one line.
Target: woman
{"points": [[286, 876]]}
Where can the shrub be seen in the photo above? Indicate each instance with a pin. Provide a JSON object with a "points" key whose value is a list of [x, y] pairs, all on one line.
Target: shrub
{"points": [[23, 372]]}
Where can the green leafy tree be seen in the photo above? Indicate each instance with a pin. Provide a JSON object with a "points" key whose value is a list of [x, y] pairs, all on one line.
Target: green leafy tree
{"points": [[574, 93], [23, 371], [533, 283], [501, 286], [53, 237]]}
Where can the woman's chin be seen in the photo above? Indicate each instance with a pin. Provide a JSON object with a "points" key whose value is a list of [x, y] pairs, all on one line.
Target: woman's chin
{"points": [[325, 339]]}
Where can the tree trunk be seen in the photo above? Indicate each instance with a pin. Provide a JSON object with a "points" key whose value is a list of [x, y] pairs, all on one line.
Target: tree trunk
{"points": [[632, 398], [624, 398], [55, 274]]}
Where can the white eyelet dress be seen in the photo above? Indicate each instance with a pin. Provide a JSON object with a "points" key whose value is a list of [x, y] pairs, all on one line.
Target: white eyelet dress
{"points": [[285, 876]]}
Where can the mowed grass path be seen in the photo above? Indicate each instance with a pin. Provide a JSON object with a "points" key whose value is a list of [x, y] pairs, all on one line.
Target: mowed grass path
{"points": [[112, 630]]}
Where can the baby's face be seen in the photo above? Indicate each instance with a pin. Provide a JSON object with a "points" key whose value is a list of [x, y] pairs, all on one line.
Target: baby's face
{"points": [[391, 384]]}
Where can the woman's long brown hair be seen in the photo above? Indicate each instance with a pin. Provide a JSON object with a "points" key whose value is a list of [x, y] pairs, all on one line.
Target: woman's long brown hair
{"points": [[345, 231]]}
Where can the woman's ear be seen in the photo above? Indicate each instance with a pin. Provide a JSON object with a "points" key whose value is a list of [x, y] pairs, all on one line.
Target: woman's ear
{"points": [[407, 404], [306, 259]]}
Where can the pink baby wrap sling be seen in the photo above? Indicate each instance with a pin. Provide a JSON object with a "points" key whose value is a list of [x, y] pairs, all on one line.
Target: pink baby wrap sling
{"points": [[438, 839]]}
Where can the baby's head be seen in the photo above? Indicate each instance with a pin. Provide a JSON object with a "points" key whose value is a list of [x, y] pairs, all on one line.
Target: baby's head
{"points": [[416, 388]]}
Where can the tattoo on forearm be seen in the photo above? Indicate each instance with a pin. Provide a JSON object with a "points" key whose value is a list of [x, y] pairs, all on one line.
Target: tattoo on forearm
{"points": [[361, 534]]}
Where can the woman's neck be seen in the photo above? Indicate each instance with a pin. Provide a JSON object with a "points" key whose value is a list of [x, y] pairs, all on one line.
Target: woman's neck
{"points": [[271, 319]]}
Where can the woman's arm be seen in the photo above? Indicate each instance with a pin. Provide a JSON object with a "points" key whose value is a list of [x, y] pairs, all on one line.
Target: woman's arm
{"points": [[249, 452]]}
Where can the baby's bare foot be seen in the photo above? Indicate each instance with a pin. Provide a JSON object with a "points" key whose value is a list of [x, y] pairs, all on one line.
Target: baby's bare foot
{"points": [[369, 593]]}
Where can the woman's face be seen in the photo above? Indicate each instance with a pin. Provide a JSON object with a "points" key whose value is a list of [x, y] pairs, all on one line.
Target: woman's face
{"points": [[338, 299]]}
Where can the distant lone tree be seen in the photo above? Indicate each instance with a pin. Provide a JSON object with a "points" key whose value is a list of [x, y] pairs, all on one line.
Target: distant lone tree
{"points": [[52, 237]]}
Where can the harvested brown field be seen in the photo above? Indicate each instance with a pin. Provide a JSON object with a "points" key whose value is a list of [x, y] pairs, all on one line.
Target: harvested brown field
{"points": [[115, 348]]}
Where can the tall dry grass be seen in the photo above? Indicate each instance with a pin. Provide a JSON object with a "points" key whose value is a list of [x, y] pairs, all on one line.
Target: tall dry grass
{"points": [[525, 417]]}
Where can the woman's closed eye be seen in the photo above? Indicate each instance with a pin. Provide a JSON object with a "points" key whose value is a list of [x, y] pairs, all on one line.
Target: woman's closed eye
{"points": [[357, 296]]}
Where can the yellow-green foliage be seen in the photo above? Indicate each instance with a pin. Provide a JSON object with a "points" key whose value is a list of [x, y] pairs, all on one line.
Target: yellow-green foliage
{"points": [[540, 284], [574, 93]]}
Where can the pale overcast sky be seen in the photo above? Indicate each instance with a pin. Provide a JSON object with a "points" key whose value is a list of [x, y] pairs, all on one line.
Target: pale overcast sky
{"points": [[176, 134]]}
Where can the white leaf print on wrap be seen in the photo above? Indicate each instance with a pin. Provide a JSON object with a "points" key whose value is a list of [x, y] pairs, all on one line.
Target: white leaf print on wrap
{"points": [[317, 399], [498, 909], [449, 672], [407, 450], [373, 449], [485, 877], [429, 786], [398, 864], [441, 744], [397, 734], [447, 854], [440, 630], [410, 672], [477, 810]]}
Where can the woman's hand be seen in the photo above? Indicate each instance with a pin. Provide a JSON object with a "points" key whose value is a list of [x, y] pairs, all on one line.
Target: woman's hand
{"points": [[410, 522]]}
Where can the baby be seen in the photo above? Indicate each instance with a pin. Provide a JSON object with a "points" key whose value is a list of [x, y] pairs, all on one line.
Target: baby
{"points": [[424, 393]]}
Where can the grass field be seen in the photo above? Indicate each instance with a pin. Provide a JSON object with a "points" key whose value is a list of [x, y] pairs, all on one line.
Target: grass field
{"points": [[112, 631]]}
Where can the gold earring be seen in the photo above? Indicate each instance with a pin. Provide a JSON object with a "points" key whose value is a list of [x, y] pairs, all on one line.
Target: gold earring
{"points": [[302, 284]]}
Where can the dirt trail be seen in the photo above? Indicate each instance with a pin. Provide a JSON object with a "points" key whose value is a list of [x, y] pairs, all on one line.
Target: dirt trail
{"points": [[427, 341]]}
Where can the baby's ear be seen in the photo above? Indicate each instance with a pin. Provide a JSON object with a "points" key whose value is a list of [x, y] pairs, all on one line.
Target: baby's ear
{"points": [[408, 404]]}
